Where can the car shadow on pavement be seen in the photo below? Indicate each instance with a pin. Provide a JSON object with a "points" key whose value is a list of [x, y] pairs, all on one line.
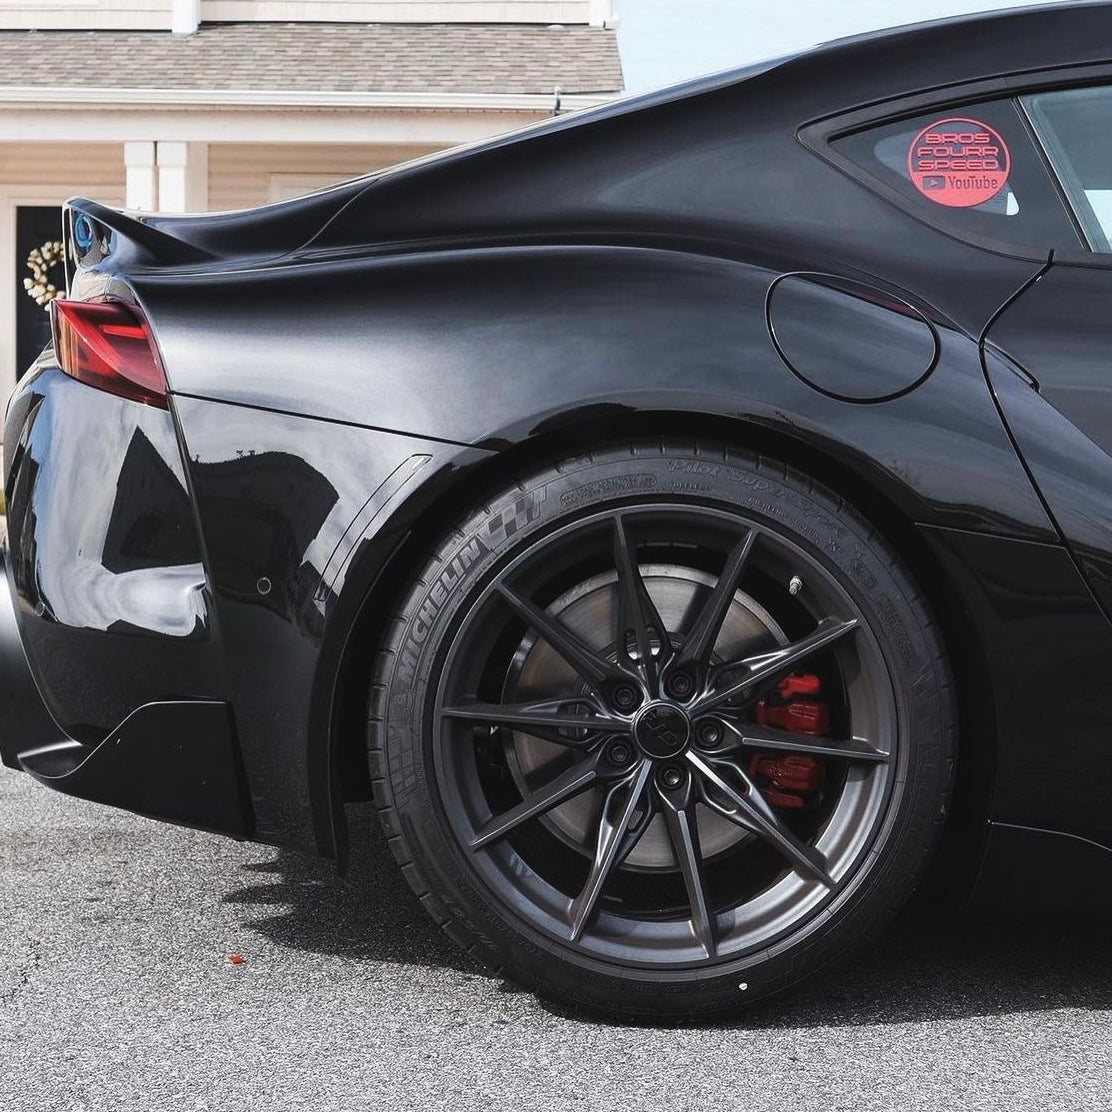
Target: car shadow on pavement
{"points": [[927, 966], [368, 913], [959, 965]]}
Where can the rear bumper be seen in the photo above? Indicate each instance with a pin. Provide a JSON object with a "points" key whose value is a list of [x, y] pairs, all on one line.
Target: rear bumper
{"points": [[110, 669], [105, 560], [171, 761], [215, 554], [24, 720]]}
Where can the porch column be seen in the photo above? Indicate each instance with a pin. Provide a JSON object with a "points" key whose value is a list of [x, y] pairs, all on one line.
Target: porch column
{"points": [[185, 16], [182, 176], [141, 184], [602, 13]]}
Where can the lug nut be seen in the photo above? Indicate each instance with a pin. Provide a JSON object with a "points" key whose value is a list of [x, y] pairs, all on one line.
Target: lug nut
{"points": [[671, 776], [680, 685], [619, 753], [625, 697], [710, 734]]}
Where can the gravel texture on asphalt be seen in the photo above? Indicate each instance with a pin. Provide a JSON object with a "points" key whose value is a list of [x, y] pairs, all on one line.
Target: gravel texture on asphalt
{"points": [[116, 994]]}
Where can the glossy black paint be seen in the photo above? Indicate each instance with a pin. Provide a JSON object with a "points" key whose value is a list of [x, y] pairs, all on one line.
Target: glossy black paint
{"points": [[1059, 331], [350, 371], [24, 720], [496, 380], [851, 341], [174, 760], [104, 556], [284, 501], [1064, 871], [1046, 647]]}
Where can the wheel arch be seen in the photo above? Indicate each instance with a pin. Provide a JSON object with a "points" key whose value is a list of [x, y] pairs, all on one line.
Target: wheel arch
{"points": [[342, 765]]}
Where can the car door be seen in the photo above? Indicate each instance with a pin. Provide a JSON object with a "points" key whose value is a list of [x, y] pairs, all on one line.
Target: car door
{"points": [[1048, 355]]}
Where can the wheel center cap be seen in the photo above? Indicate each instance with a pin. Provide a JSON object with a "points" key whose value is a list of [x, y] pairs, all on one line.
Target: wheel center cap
{"points": [[661, 730]]}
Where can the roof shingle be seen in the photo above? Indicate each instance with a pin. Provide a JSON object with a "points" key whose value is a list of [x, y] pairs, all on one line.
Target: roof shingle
{"points": [[319, 57]]}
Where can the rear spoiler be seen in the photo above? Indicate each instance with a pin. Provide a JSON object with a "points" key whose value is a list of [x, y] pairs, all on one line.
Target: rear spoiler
{"points": [[95, 233]]}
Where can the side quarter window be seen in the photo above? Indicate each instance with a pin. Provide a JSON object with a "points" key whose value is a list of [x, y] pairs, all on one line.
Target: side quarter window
{"points": [[1075, 128], [972, 171]]}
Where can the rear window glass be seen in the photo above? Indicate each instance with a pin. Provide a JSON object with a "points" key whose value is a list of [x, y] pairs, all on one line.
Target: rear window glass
{"points": [[973, 171]]}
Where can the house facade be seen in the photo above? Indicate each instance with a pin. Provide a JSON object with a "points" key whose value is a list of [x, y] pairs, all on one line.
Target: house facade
{"points": [[208, 105]]}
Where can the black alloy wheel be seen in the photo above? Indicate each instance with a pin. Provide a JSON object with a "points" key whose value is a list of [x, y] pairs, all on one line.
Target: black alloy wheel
{"points": [[661, 752]]}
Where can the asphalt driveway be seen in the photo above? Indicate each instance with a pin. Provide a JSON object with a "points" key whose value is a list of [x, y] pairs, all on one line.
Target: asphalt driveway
{"points": [[115, 994]]}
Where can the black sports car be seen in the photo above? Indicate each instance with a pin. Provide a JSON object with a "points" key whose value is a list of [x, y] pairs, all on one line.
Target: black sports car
{"points": [[677, 518]]}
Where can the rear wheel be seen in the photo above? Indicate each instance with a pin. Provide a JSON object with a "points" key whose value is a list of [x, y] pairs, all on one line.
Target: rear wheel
{"points": [[661, 731]]}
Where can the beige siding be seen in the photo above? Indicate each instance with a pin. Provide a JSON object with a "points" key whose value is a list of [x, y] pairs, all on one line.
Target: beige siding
{"points": [[399, 11], [59, 170], [133, 15], [242, 176]]}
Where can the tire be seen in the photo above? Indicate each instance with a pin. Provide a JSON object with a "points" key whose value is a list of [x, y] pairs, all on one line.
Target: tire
{"points": [[625, 818]]}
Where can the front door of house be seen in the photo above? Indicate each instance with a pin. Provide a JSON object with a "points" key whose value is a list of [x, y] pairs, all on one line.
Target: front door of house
{"points": [[38, 230]]}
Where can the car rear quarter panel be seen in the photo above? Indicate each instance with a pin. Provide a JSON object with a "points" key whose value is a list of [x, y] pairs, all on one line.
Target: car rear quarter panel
{"points": [[337, 403], [489, 348], [281, 500]]}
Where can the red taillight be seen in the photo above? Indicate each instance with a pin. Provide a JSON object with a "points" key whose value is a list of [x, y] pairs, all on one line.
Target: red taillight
{"points": [[108, 345]]}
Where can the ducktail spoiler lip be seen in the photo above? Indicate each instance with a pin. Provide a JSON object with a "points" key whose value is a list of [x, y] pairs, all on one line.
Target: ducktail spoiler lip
{"points": [[93, 231]]}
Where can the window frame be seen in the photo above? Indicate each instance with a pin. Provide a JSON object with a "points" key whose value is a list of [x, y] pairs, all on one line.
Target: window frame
{"points": [[818, 136]]}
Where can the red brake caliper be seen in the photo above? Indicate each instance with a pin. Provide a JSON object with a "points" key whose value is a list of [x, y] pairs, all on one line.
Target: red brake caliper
{"points": [[789, 779]]}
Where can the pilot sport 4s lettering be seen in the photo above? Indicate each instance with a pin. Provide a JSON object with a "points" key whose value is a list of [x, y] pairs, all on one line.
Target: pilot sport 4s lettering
{"points": [[686, 521]]}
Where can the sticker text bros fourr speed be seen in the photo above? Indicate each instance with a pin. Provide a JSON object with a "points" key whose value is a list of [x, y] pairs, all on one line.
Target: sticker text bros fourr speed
{"points": [[958, 163]]}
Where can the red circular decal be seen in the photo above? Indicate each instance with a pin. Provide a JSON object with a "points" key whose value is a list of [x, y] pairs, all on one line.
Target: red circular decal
{"points": [[958, 163]]}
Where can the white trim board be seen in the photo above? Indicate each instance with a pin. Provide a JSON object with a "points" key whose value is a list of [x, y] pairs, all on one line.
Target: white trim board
{"points": [[118, 124], [67, 96], [405, 11]]}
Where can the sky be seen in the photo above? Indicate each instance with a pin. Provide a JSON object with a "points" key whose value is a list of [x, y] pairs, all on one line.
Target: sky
{"points": [[664, 41]]}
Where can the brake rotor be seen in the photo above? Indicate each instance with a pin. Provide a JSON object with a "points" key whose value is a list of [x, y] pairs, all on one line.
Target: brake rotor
{"points": [[538, 671]]}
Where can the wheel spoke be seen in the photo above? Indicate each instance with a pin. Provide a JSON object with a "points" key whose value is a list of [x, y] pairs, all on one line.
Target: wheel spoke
{"points": [[751, 736], [545, 719], [589, 664], [636, 611], [700, 639], [636, 829], [679, 817], [618, 810], [766, 666], [750, 810], [569, 783]]}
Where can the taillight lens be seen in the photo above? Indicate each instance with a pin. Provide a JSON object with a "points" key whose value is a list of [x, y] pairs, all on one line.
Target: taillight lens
{"points": [[108, 345]]}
